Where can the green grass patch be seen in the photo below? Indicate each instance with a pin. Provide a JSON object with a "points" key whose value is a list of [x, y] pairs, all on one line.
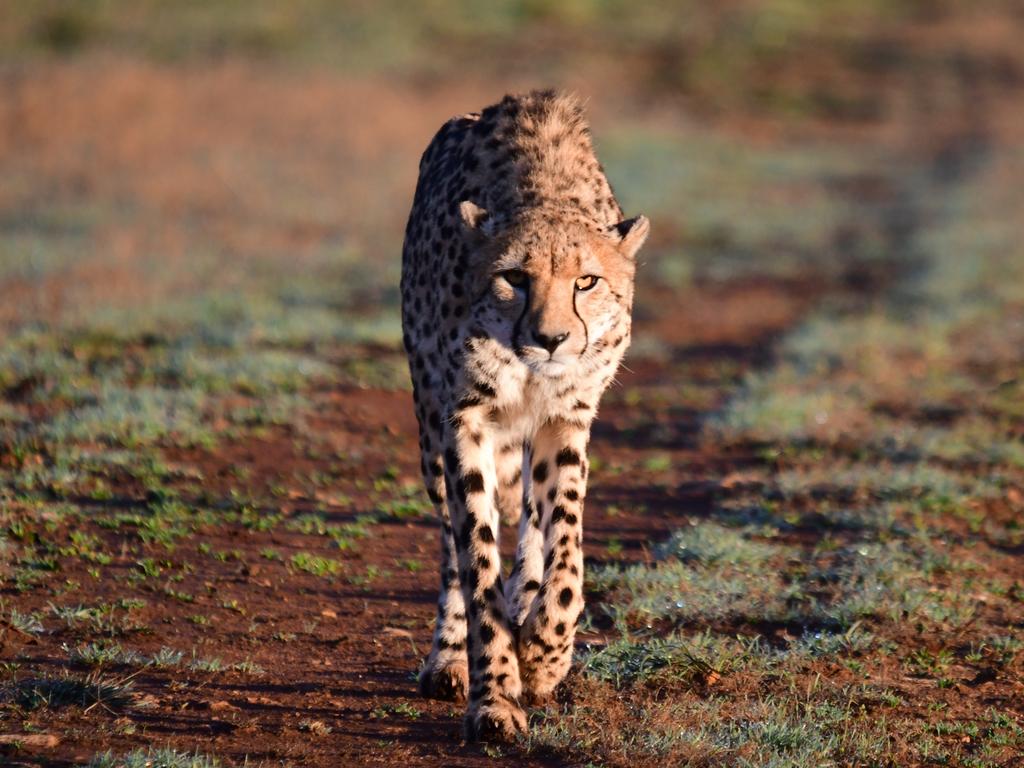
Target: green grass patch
{"points": [[316, 565]]}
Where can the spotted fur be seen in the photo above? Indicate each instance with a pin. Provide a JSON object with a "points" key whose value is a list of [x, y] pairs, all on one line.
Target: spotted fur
{"points": [[517, 288]]}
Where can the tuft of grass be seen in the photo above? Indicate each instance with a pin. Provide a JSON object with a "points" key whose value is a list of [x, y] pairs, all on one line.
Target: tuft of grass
{"points": [[822, 643], [151, 757], [629, 661], [212, 664], [105, 618], [166, 658], [104, 654], [248, 667], [315, 564], [26, 623], [74, 691], [402, 709]]}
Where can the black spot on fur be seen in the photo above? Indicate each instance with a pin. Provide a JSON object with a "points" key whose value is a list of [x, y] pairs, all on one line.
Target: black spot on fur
{"points": [[567, 457], [474, 482], [486, 632]]}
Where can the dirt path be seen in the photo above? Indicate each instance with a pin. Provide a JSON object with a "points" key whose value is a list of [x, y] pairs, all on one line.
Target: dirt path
{"points": [[344, 654], [340, 653]]}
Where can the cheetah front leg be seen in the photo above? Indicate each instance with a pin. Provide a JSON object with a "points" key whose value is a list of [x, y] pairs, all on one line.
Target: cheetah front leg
{"points": [[528, 569], [559, 474], [444, 674], [471, 480]]}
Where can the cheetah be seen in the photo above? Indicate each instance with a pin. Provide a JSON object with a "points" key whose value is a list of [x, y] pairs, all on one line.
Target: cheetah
{"points": [[517, 289]]}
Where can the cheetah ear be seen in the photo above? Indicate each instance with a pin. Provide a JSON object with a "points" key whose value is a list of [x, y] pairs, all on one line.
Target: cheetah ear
{"points": [[632, 233], [473, 216]]}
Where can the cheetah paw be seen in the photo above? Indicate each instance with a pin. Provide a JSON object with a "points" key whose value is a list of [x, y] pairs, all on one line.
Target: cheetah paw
{"points": [[448, 683], [501, 721], [536, 698], [540, 678], [539, 690]]}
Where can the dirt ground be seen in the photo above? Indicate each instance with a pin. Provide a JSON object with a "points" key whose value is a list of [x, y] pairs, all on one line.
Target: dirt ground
{"points": [[350, 653], [335, 658]]}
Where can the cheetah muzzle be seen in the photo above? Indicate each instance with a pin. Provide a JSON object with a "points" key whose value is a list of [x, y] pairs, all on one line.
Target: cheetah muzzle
{"points": [[517, 288]]}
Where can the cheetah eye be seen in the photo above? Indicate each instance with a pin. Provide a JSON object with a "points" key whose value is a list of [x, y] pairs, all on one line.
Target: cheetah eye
{"points": [[515, 277], [586, 282]]}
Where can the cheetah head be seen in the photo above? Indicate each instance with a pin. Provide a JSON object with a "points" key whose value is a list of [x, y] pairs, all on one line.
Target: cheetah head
{"points": [[555, 288]]}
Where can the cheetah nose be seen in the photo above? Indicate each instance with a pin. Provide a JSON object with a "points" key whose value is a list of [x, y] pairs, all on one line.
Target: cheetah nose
{"points": [[550, 343]]}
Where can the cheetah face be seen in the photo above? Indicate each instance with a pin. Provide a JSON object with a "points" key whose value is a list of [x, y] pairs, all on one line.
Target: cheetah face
{"points": [[558, 294]]}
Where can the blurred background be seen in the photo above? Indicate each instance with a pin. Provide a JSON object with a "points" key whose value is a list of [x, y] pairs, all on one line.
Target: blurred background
{"points": [[154, 154]]}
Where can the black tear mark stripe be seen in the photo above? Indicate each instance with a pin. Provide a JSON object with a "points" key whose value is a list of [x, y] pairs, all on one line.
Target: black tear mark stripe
{"points": [[517, 328], [586, 331]]}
